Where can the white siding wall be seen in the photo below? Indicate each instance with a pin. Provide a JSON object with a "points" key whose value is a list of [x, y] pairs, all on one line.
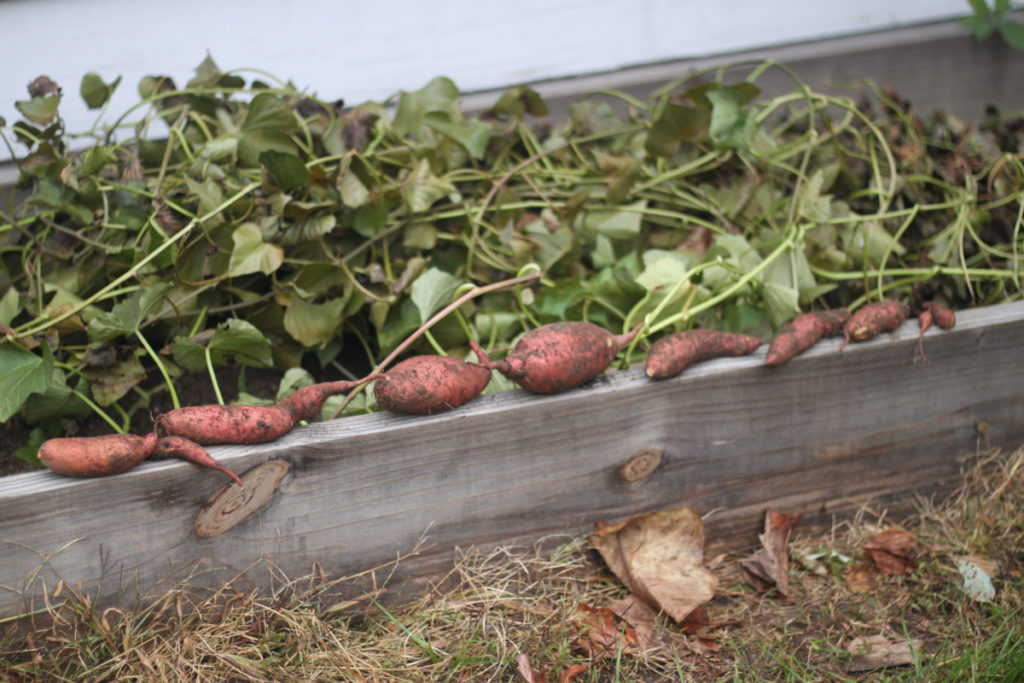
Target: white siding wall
{"points": [[360, 49]]}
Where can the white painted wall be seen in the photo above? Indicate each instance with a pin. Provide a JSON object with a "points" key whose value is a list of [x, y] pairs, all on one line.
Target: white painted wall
{"points": [[361, 49]]}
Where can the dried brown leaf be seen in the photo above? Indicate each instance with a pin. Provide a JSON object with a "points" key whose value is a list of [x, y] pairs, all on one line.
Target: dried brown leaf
{"points": [[769, 566], [640, 617], [527, 672], [601, 634], [892, 551], [659, 556]]}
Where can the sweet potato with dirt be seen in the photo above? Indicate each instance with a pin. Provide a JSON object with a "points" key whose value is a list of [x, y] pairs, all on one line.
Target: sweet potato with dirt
{"points": [[804, 332], [96, 456], [560, 356], [937, 313], [305, 403], [428, 384], [214, 424], [190, 451], [872, 319], [672, 354]]}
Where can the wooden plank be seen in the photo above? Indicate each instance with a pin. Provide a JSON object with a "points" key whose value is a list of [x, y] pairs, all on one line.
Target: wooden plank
{"points": [[821, 434]]}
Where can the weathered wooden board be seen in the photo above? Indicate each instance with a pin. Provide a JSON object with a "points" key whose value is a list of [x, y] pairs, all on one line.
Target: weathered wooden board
{"points": [[824, 433]]}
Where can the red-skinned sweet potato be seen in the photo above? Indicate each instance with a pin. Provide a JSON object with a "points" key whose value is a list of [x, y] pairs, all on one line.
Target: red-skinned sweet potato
{"points": [[560, 356], [804, 332], [873, 319], [937, 313], [428, 384], [96, 456], [190, 451], [213, 424], [672, 354]]}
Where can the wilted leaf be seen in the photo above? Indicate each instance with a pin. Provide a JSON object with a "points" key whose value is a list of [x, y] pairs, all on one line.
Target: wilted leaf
{"points": [[520, 100], [421, 188], [622, 223], [353, 193], [879, 652], [111, 383], [977, 573], [527, 672], [95, 92], [472, 135], [892, 552], [600, 634], [769, 565], [440, 94], [659, 557], [41, 110], [676, 124], [640, 617], [267, 126], [251, 254]]}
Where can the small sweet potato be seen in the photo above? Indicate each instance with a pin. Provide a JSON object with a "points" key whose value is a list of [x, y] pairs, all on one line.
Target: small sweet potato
{"points": [[428, 384], [671, 354], [804, 332], [212, 424], [560, 356], [96, 456], [190, 451], [941, 314], [305, 403], [873, 319]]}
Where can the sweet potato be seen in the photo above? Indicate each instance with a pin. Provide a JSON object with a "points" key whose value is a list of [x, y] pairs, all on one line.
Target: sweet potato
{"points": [[305, 403], [873, 319], [96, 456], [213, 424], [428, 384], [941, 314], [671, 354], [937, 313], [190, 451], [804, 332], [561, 356]]}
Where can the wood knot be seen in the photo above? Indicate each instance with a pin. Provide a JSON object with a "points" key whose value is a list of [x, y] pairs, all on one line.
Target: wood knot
{"points": [[640, 465]]}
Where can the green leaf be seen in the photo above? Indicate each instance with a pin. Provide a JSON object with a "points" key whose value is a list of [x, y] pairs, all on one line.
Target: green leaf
{"points": [[353, 193], [421, 188], [518, 101], [663, 269], [617, 224], [313, 324], [268, 124], [308, 229], [95, 92], [41, 110], [731, 125], [126, 316], [293, 380], [284, 169], [676, 124], [24, 374], [10, 306], [1013, 33], [440, 94], [420, 236], [30, 451], [96, 158], [251, 254], [433, 290], [237, 339], [472, 135], [782, 303]]}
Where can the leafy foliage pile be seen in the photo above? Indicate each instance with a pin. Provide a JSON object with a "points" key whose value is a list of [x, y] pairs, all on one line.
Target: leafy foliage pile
{"points": [[235, 222]]}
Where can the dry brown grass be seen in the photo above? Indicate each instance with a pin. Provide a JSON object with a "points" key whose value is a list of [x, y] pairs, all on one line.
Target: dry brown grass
{"points": [[497, 605]]}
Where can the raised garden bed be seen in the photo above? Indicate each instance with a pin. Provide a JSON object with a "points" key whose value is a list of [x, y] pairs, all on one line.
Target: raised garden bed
{"points": [[823, 435]]}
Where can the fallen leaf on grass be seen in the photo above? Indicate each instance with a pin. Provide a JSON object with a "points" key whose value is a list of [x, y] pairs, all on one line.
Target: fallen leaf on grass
{"points": [[860, 578], [526, 671], [892, 551], [659, 557], [879, 652], [637, 614], [769, 565], [977, 573], [601, 634]]}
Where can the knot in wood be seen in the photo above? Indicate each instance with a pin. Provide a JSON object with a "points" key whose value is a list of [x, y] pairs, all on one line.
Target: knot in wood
{"points": [[640, 465]]}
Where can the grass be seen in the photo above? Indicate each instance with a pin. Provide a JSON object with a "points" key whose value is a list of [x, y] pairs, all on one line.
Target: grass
{"points": [[502, 610]]}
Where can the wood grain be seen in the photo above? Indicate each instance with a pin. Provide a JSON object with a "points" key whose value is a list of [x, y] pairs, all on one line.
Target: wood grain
{"points": [[822, 435]]}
